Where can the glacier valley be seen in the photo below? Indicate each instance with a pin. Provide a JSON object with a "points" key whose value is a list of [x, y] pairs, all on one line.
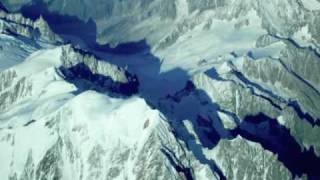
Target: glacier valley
{"points": [[159, 89]]}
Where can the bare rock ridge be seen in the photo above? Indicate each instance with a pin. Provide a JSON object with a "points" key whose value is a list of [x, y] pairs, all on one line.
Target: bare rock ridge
{"points": [[19, 25], [159, 89]]}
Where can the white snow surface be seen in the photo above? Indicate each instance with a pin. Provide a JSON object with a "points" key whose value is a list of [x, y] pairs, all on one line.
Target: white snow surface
{"points": [[89, 118], [311, 4], [13, 51], [103, 120]]}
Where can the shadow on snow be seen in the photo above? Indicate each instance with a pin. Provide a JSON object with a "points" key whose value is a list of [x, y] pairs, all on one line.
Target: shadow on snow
{"points": [[195, 105]]}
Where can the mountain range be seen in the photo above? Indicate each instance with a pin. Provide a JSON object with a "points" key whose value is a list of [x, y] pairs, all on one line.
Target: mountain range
{"points": [[159, 89]]}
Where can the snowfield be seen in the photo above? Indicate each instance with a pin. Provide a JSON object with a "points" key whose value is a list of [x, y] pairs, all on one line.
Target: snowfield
{"points": [[159, 89]]}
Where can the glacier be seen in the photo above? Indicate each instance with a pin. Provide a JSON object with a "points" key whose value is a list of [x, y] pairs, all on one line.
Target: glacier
{"points": [[159, 89]]}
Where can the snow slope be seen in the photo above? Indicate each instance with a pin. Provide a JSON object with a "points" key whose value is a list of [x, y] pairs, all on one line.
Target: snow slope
{"points": [[87, 134], [206, 80], [312, 5]]}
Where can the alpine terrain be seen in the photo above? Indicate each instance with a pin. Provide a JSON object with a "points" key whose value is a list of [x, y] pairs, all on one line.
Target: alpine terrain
{"points": [[159, 89]]}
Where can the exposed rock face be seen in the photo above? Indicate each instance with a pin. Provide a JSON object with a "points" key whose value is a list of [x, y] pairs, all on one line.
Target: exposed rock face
{"points": [[79, 64], [73, 147], [63, 117], [113, 16], [235, 97], [284, 82], [18, 25], [241, 159], [251, 69], [265, 40], [241, 100], [65, 63]]}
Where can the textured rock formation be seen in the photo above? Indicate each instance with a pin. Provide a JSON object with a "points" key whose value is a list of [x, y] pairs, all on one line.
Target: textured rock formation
{"points": [[18, 25], [88, 111], [241, 159]]}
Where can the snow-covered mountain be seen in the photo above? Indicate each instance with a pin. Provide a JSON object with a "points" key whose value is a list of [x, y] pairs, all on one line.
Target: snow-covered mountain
{"points": [[66, 115], [159, 89]]}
